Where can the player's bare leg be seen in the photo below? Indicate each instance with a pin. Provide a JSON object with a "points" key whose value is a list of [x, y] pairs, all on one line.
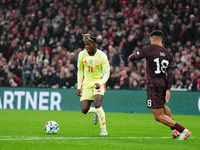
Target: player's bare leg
{"points": [[86, 109], [160, 116], [85, 106], [101, 115], [167, 111]]}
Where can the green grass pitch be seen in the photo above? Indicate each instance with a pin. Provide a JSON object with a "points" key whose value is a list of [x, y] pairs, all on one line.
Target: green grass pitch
{"points": [[24, 129]]}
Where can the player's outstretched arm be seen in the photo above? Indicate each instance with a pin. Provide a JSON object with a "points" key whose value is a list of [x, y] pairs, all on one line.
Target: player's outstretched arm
{"points": [[138, 55], [131, 57]]}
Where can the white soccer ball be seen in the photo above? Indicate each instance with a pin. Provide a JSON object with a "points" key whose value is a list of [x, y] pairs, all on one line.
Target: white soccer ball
{"points": [[51, 127]]}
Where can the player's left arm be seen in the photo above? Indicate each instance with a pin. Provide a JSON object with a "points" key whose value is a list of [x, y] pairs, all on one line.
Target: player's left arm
{"points": [[169, 79], [106, 70]]}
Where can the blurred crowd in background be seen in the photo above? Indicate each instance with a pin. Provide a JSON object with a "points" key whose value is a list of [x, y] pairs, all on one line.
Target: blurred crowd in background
{"points": [[40, 40]]}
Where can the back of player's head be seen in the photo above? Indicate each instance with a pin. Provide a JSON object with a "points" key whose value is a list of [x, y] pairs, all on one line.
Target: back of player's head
{"points": [[157, 33], [89, 38]]}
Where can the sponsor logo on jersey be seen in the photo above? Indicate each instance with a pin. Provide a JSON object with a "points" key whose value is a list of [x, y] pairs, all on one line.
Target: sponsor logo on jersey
{"points": [[162, 54], [96, 62]]}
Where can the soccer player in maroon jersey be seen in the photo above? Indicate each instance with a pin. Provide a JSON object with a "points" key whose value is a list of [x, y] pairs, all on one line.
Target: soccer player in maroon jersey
{"points": [[159, 73]]}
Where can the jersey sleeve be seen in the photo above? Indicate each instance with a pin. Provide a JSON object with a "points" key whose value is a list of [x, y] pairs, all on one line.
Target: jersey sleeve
{"points": [[80, 70], [106, 70], [170, 72], [172, 64], [143, 53]]}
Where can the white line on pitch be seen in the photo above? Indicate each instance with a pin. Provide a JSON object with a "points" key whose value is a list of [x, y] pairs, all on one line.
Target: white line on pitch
{"points": [[7, 138]]}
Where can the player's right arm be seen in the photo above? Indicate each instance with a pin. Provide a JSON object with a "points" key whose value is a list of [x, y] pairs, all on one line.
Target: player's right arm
{"points": [[80, 73], [143, 53]]}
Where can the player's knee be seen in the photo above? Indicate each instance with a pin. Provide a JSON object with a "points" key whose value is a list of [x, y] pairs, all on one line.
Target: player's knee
{"points": [[84, 111], [97, 105]]}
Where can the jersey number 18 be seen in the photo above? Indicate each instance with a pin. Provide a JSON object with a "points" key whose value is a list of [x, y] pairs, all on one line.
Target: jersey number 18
{"points": [[161, 67]]}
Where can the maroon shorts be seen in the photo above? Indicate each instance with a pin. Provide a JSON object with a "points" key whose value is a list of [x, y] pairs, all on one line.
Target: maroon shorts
{"points": [[156, 94]]}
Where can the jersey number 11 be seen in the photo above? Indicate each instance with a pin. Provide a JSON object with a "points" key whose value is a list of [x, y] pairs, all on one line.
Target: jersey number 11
{"points": [[90, 69]]}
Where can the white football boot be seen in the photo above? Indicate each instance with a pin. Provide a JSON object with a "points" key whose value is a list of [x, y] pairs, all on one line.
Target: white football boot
{"points": [[104, 132], [185, 134]]}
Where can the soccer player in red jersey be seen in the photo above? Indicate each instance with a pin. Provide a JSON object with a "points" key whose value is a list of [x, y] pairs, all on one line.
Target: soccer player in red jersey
{"points": [[159, 73]]}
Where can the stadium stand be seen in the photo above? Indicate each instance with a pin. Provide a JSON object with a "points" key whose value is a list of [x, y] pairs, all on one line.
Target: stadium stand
{"points": [[40, 40]]}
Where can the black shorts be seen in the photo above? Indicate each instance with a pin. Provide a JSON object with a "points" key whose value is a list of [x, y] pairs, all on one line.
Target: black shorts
{"points": [[156, 94]]}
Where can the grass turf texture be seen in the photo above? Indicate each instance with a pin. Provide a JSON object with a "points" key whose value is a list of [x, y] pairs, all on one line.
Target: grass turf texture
{"points": [[24, 129]]}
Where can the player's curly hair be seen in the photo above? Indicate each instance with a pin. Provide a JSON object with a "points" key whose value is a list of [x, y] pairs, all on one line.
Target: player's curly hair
{"points": [[89, 37]]}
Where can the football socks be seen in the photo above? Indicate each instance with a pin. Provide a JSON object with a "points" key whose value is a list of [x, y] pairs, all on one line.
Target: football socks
{"points": [[102, 118], [92, 110], [179, 127]]}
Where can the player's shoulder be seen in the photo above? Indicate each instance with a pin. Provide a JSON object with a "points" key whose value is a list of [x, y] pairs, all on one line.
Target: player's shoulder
{"points": [[164, 50], [83, 52], [101, 53], [148, 47], [167, 52]]}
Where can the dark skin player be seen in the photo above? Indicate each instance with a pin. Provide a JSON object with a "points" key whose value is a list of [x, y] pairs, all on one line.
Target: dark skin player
{"points": [[85, 104]]}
